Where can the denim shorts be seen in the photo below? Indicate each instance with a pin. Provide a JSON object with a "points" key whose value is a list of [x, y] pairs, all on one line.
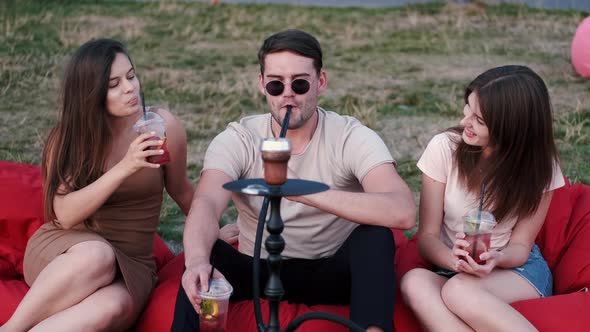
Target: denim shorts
{"points": [[535, 271]]}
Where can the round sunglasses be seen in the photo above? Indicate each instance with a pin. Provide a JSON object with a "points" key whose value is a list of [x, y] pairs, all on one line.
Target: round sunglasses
{"points": [[276, 88]]}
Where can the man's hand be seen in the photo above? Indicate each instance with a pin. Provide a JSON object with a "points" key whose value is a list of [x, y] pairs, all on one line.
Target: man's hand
{"points": [[196, 277], [229, 233]]}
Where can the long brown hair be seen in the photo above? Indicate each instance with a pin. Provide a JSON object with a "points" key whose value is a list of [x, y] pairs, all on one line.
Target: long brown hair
{"points": [[516, 108], [77, 147]]}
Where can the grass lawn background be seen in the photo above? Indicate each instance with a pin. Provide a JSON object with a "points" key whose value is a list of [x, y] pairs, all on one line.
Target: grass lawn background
{"points": [[401, 71]]}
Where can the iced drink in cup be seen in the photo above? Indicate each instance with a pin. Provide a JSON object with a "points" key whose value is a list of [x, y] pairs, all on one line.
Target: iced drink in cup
{"points": [[214, 305], [275, 154], [478, 226], [152, 122]]}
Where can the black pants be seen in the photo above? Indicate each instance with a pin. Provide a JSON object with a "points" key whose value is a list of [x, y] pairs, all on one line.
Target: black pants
{"points": [[360, 273]]}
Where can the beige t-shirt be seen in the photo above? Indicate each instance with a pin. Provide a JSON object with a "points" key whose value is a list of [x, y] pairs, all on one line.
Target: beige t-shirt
{"points": [[341, 152], [437, 163]]}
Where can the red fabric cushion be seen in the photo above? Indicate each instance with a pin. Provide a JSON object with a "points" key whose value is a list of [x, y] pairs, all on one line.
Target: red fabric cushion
{"points": [[21, 213], [399, 237], [558, 313], [11, 293], [162, 254], [565, 238], [553, 236], [404, 318], [409, 258], [159, 311], [572, 272]]}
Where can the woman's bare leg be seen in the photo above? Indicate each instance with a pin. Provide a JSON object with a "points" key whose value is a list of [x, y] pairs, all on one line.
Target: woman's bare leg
{"points": [[421, 289], [64, 282], [484, 303], [108, 309]]}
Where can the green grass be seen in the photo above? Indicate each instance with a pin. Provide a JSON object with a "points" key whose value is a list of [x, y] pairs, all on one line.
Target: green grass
{"points": [[399, 70]]}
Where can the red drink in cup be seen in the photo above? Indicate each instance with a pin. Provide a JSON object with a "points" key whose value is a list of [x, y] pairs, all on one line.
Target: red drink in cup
{"points": [[161, 159], [478, 244], [152, 122], [212, 324], [478, 226]]}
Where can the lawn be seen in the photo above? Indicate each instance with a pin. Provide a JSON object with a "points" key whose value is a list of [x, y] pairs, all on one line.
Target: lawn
{"points": [[399, 70]]}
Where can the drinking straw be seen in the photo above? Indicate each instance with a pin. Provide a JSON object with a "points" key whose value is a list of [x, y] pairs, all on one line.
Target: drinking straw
{"points": [[143, 105], [483, 192], [285, 122], [211, 273]]}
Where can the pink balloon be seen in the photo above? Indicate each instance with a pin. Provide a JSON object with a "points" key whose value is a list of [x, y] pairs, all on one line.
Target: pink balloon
{"points": [[581, 49]]}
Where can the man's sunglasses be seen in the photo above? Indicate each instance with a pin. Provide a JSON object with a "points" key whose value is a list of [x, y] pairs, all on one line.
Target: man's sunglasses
{"points": [[276, 88]]}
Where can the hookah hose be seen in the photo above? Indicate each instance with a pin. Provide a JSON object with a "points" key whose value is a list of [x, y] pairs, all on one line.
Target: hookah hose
{"points": [[256, 265], [258, 242]]}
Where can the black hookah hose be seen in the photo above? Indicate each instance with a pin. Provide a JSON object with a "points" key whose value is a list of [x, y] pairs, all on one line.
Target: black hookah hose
{"points": [[256, 266], [258, 242]]}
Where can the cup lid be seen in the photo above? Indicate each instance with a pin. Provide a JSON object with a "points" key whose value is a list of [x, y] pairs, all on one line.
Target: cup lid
{"points": [[477, 216], [218, 288], [147, 119], [275, 144]]}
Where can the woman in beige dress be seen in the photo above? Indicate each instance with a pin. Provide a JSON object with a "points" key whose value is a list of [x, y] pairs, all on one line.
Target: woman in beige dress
{"points": [[90, 268]]}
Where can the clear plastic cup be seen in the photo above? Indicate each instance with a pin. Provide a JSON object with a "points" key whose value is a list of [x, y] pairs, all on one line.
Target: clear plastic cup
{"points": [[478, 226], [152, 122], [214, 305]]}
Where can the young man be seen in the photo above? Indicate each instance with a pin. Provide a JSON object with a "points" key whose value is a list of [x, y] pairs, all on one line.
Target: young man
{"points": [[338, 242]]}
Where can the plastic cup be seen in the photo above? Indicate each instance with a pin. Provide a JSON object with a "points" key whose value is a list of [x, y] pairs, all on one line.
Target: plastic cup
{"points": [[152, 122], [214, 306], [276, 153], [478, 226]]}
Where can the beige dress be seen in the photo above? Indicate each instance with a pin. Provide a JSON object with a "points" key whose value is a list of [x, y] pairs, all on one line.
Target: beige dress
{"points": [[127, 222]]}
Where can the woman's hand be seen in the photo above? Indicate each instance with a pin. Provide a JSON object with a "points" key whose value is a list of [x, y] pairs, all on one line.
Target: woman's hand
{"points": [[458, 251], [229, 233], [481, 270], [135, 158]]}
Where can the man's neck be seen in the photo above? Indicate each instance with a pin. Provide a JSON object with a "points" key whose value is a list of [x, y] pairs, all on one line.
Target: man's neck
{"points": [[301, 136]]}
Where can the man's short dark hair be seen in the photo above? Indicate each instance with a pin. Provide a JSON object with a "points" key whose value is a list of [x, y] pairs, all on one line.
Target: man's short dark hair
{"points": [[296, 41]]}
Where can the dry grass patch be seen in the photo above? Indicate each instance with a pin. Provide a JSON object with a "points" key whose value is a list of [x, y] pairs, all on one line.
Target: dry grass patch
{"points": [[408, 136], [75, 31]]}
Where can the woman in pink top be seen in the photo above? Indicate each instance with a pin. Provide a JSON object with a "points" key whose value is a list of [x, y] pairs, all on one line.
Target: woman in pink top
{"points": [[505, 144]]}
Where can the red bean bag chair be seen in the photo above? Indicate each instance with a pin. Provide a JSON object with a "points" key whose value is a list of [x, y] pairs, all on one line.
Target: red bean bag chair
{"points": [[581, 49], [564, 240], [21, 214]]}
